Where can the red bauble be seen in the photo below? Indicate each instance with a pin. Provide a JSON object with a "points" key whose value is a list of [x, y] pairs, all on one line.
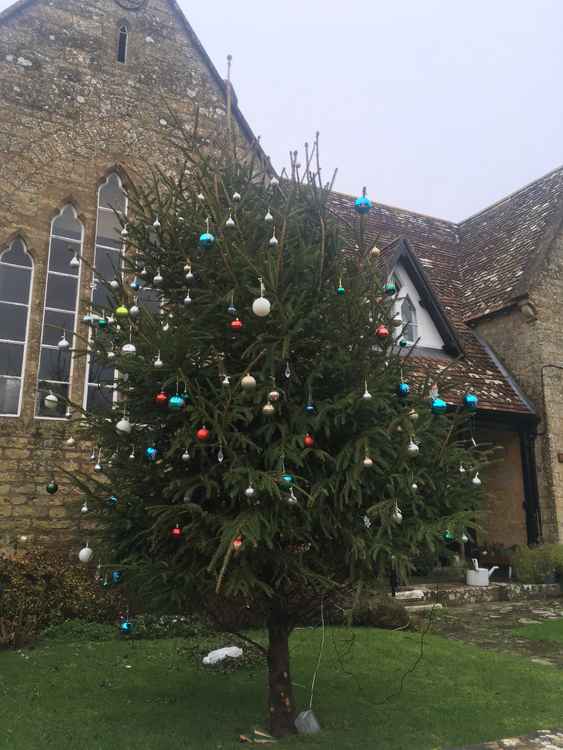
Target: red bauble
{"points": [[161, 398], [236, 324], [237, 543], [308, 441], [382, 331], [176, 532], [202, 434]]}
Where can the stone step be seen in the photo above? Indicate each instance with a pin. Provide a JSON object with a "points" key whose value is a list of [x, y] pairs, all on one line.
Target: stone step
{"points": [[458, 594], [423, 607]]}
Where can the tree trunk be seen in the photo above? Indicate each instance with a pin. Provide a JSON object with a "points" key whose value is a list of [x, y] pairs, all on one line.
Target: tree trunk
{"points": [[280, 701]]}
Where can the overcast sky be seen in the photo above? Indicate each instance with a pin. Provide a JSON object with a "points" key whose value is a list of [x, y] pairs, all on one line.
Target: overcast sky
{"points": [[439, 106]]}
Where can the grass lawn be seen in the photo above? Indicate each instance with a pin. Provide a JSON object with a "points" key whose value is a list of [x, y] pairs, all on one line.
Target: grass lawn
{"points": [[151, 695], [552, 630]]}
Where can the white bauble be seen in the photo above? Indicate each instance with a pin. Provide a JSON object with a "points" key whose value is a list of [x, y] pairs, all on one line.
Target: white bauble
{"points": [[368, 461], [261, 307], [412, 448], [397, 515], [51, 401], [63, 343], [134, 311], [123, 426], [250, 491], [128, 349], [268, 409], [476, 481], [85, 554], [248, 382]]}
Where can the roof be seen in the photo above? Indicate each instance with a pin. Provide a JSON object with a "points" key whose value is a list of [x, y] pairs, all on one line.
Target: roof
{"points": [[435, 244], [502, 247]]}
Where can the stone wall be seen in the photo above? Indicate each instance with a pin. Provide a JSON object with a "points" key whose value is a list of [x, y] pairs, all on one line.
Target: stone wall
{"points": [[525, 346], [69, 113]]}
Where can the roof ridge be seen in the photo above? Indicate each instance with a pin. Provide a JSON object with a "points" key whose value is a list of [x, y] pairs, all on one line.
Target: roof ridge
{"points": [[511, 195], [452, 224]]}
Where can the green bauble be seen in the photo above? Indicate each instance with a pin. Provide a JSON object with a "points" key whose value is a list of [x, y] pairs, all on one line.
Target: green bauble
{"points": [[287, 480], [52, 487], [448, 536]]}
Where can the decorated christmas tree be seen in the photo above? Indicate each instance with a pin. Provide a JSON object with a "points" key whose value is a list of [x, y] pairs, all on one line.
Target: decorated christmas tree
{"points": [[268, 442]]}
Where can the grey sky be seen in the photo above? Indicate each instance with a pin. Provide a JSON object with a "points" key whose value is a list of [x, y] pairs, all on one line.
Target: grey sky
{"points": [[439, 106]]}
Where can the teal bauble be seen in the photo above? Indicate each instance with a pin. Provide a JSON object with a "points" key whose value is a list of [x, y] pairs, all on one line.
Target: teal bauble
{"points": [[102, 323], [403, 390], [471, 401], [439, 406], [448, 536], [126, 627], [112, 501], [52, 487], [390, 289], [286, 480], [341, 291], [310, 408], [206, 240], [363, 205], [403, 343], [116, 576], [151, 453], [176, 402]]}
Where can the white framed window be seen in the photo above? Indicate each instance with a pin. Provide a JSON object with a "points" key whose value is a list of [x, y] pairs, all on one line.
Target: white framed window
{"points": [[16, 281], [60, 311], [108, 263], [408, 316]]}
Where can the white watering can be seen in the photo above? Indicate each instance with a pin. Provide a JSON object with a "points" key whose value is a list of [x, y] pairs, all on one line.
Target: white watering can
{"points": [[479, 576]]}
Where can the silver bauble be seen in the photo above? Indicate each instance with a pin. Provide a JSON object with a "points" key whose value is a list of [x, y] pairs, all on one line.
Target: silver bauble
{"points": [[248, 382]]}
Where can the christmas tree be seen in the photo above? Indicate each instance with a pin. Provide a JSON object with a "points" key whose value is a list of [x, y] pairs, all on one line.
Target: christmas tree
{"points": [[269, 442]]}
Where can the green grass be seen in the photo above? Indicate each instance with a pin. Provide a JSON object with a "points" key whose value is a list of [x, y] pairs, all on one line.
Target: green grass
{"points": [[552, 630], [83, 696]]}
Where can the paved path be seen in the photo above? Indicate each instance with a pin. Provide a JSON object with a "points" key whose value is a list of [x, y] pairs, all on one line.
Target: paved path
{"points": [[490, 625], [545, 739]]}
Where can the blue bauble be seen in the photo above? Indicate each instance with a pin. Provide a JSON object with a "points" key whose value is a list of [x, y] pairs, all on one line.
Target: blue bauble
{"points": [[403, 390], [363, 204], [232, 310], [206, 240], [471, 401], [116, 576], [176, 402], [112, 501], [439, 406], [126, 627], [310, 408], [151, 453]]}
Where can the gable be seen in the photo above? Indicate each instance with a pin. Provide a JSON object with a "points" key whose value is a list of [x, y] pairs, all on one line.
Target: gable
{"points": [[65, 101], [424, 332]]}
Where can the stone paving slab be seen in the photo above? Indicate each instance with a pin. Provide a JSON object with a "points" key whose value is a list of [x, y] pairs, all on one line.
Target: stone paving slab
{"points": [[545, 739], [491, 625]]}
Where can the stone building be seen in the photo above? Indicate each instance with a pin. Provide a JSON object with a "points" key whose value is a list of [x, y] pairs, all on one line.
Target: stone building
{"points": [[89, 92]]}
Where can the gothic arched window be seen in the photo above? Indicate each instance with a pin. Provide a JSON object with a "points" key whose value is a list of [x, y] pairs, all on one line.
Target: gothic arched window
{"points": [[60, 310], [16, 274], [122, 43], [107, 266], [408, 316]]}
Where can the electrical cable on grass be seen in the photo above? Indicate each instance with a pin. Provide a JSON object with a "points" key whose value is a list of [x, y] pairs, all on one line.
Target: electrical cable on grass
{"points": [[405, 674]]}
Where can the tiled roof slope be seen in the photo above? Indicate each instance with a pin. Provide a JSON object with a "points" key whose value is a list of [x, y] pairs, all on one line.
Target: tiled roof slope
{"points": [[502, 245], [435, 244]]}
